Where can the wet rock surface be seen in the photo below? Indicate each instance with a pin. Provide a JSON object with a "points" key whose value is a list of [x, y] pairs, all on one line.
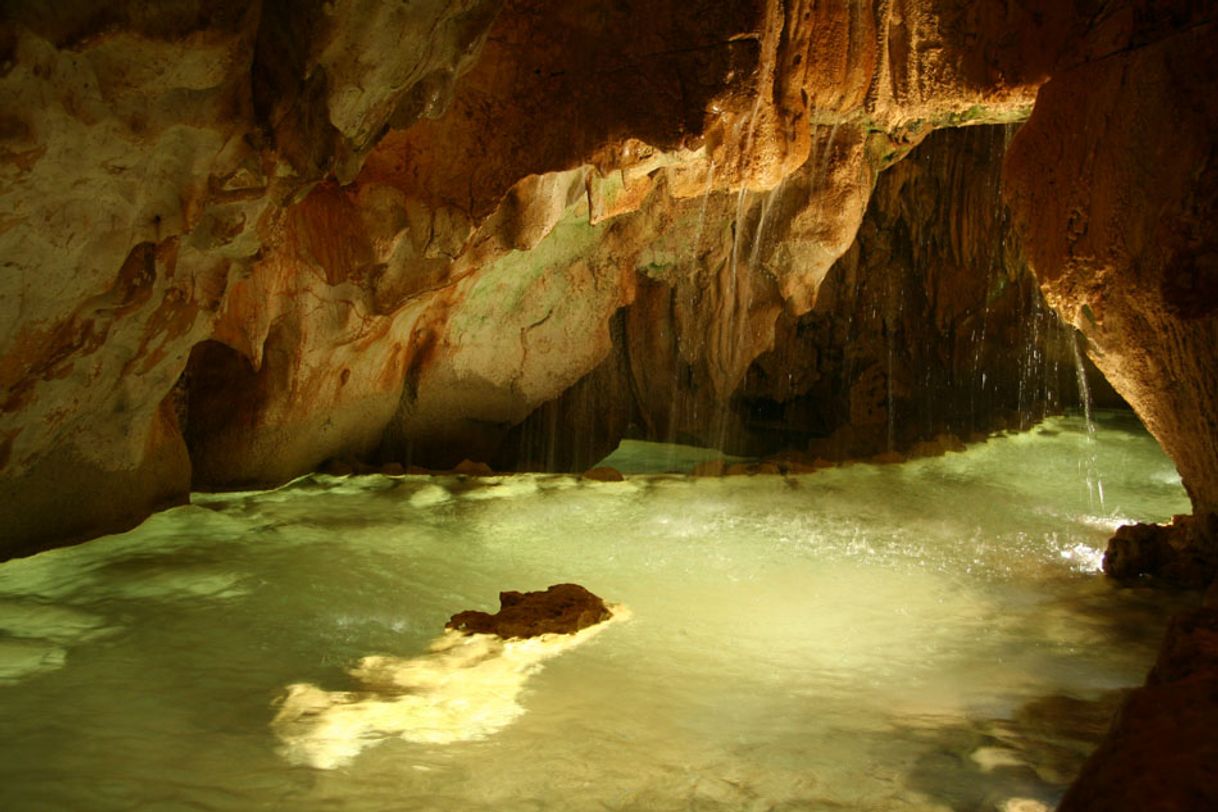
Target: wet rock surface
{"points": [[891, 353], [604, 473], [1162, 748], [1182, 553], [1190, 648], [1113, 185], [561, 609]]}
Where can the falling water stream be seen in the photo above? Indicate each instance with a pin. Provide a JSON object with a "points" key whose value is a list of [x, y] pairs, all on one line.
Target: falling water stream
{"points": [[1095, 485], [928, 636]]}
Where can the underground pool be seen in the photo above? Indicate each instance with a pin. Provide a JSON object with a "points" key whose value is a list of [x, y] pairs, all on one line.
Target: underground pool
{"points": [[934, 635]]}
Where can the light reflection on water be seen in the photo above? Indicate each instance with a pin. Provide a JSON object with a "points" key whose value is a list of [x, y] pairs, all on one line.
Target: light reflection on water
{"points": [[925, 636]]}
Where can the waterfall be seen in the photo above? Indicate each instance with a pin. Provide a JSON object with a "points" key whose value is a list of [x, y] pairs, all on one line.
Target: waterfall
{"points": [[1095, 485]]}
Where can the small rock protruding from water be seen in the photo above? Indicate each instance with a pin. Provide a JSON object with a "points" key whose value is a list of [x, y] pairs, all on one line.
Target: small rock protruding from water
{"points": [[785, 463], [709, 468], [1180, 553], [937, 446], [471, 468], [561, 609], [604, 473], [334, 467], [796, 467]]}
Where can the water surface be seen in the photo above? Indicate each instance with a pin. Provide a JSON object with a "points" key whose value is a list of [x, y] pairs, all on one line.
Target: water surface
{"points": [[928, 636]]}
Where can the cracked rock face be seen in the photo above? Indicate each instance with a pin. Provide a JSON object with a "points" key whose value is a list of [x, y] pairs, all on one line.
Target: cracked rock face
{"points": [[242, 239]]}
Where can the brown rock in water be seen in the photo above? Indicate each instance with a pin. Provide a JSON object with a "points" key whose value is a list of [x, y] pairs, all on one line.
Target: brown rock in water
{"points": [[794, 467], [709, 468], [950, 442], [338, 468], [1161, 751], [561, 609], [604, 473], [1180, 554], [937, 446], [1190, 649], [471, 468], [926, 448]]}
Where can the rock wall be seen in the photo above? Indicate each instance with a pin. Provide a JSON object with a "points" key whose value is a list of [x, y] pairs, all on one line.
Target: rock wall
{"points": [[1115, 184], [241, 239], [930, 323], [1161, 750]]}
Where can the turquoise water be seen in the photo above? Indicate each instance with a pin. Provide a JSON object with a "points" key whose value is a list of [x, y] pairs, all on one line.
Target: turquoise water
{"points": [[927, 636]]}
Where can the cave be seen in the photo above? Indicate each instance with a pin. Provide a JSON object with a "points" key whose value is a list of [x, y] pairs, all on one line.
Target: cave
{"points": [[860, 355]]}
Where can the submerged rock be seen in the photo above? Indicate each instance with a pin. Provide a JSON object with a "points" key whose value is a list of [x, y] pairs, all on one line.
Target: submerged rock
{"points": [[561, 609]]}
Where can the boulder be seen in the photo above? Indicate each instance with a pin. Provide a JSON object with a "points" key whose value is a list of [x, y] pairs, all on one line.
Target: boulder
{"points": [[1180, 553], [338, 468], [471, 468], [709, 468], [561, 609], [1162, 748]]}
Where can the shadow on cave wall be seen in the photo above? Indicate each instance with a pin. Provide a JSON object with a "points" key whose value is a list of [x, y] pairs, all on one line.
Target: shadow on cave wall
{"points": [[220, 395]]}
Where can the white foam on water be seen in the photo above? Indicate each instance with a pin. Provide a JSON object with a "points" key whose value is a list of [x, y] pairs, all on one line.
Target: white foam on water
{"points": [[1084, 558], [466, 687], [429, 495], [502, 488]]}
